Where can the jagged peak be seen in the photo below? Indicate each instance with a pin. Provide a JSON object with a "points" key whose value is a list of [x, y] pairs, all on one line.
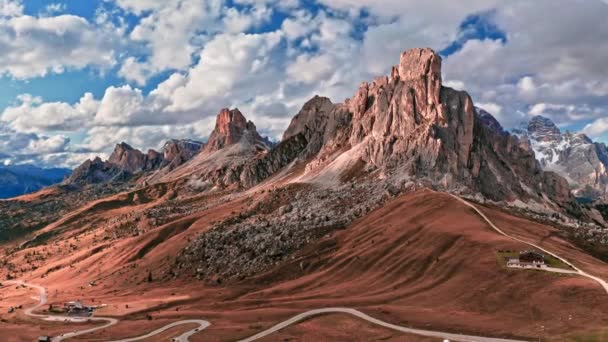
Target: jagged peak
{"points": [[228, 118], [317, 101], [230, 126], [542, 128], [123, 145], [123, 150], [488, 119], [418, 63]]}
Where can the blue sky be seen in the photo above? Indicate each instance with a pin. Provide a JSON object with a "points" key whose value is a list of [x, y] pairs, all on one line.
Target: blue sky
{"points": [[77, 77]]}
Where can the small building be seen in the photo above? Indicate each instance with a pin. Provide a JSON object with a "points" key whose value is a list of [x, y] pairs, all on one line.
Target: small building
{"points": [[76, 308], [44, 339], [73, 306], [527, 259]]}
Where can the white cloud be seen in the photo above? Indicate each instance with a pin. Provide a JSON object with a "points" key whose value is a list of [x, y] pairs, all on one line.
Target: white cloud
{"points": [[490, 107], [542, 61], [139, 6], [17, 148], [543, 67], [34, 46], [236, 21], [596, 128], [311, 69], [566, 113], [52, 144], [10, 8], [230, 67], [458, 85], [185, 26], [145, 137], [175, 26], [55, 8], [32, 115], [127, 101]]}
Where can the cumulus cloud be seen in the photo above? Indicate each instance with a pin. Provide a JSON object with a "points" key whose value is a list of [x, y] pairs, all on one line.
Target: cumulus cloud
{"points": [[10, 8], [220, 54], [185, 26], [31, 114], [55, 8], [543, 61], [17, 148], [596, 128], [35, 46]]}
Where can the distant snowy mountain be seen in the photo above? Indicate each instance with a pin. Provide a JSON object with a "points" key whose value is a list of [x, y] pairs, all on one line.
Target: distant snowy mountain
{"points": [[22, 179], [574, 156]]}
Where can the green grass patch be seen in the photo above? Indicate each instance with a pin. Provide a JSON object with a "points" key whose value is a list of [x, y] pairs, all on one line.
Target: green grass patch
{"points": [[503, 256], [596, 336]]}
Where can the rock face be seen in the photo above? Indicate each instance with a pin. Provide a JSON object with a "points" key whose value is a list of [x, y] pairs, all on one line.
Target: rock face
{"points": [[232, 145], [230, 127], [97, 171], [402, 127], [177, 152], [408, 125], [543, 129], [126, 162], [574, 156], [133, 161]]}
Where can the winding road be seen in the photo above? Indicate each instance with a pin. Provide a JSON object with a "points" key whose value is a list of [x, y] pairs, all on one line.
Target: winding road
{"points": [[577, 270], [359, 314], [202, 324], [43, 298]]}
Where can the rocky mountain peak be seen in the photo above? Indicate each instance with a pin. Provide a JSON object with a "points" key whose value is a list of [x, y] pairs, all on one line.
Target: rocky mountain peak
{"points": [[574, 156], [229, 120], [230, 127], [419, 63], [408, 126], [127, 158], [488, 120], [181, 148], [541, 128]]}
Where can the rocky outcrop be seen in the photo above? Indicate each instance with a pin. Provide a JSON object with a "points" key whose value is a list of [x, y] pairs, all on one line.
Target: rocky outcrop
{"points": [[279, 157], [574, 156], [230, 128], [543, 129], [177, 152], [97, 171], [126, 162], [401, 127], [134, 161], [232, 145], [408, 125]]}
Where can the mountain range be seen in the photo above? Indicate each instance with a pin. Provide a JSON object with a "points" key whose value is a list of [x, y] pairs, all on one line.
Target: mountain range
{"points": [[16, 180], [572, 155], [403, 201]]}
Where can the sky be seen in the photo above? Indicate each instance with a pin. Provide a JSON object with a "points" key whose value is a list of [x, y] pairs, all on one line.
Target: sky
{"points": [[78, 77]]}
